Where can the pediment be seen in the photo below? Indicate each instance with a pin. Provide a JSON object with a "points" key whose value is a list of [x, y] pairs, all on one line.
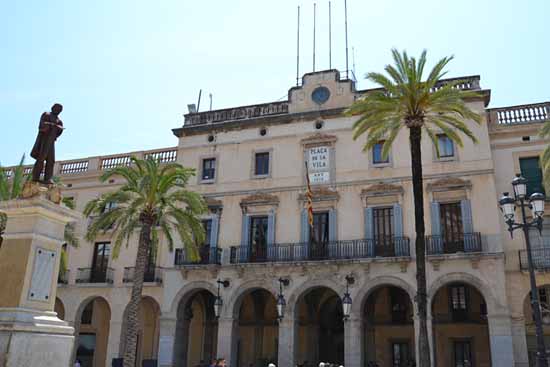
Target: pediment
{"points": [[382, 189], [449, 183], [319, 138], [260, 198]]}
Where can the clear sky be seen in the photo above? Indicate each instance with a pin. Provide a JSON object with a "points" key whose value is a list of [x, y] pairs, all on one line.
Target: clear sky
{"points": [[125, 70]]}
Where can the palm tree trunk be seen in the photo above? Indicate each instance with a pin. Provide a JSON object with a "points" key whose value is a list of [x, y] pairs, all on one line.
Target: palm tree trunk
{"points": [[415, 135], [132, 320]]}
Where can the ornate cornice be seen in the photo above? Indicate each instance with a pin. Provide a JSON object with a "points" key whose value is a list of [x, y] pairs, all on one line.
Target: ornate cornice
{"points": [[259, 198], [382, 189], [449, 183], [321, 194], [318, 138]]}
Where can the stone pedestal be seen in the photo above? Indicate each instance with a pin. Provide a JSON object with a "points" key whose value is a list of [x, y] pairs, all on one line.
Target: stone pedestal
{"points": [[30, 332]]}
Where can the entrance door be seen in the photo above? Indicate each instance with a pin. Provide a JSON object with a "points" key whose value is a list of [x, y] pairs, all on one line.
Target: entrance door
{"points": [[100, 262], [258, 239]]}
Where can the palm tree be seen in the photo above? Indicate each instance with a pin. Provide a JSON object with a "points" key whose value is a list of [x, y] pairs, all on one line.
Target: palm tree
{"points": [[153, 200], [405, 100], [545, 156]]}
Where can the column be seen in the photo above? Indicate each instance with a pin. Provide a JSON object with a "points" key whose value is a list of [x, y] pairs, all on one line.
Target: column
{"points": [[167, 338], [429, 326], [287, 342], [227, 340], [353, 340], [519, 340], [113, 342], [500, 337]]}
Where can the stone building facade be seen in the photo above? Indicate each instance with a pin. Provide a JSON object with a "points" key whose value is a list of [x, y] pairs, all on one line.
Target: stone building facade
{"points": [[250, 165]]}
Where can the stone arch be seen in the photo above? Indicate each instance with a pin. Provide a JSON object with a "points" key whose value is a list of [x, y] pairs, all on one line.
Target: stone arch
{"points": [[361, 296], [156, 306], [304, 288], [233, 305], [188, 291], [493, 306], [78, 326]]}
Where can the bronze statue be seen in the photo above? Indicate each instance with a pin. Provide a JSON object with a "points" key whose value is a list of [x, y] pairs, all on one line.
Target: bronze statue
{"points": [[49, 129]]}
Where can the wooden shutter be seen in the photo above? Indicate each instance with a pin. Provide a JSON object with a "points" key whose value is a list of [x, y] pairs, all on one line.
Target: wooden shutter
{"points": [[271, 234], [437, 241], [369, 230], [245, 238], [398, 229]]}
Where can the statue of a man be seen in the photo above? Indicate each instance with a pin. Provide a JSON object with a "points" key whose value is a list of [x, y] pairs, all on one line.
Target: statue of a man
{"points": [[49, 129]]}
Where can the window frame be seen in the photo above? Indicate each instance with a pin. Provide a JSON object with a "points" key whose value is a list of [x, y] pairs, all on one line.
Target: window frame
{"points": [[253, 174], [406, 342], [95, 256], [201, 178], [381, 164], [530, 188], [255, 251], [459, 314], [471, 343], [445, 158]]}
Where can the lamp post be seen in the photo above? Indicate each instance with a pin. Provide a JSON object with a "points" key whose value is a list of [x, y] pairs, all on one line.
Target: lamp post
{"points": [[536, 204], [218, 302], [281, 302], [346, 300]]}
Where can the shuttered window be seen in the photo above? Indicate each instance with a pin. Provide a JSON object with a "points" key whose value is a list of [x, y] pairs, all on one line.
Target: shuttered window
{"points": [[530, 169]]}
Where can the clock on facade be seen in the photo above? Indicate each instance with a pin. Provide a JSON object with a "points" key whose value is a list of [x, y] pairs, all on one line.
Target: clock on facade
{"points": [[320, 95]]}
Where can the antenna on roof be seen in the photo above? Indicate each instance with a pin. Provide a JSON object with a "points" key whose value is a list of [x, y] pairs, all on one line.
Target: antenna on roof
{"points": [[199, 102], [329, 37], [314, 23], [210, 101], [346, 24], [298, 50]]}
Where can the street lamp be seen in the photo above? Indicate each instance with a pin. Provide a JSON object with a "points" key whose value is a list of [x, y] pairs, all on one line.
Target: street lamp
{"points": [[218, 302], [536, 204], [346, 300], [281, 302]]}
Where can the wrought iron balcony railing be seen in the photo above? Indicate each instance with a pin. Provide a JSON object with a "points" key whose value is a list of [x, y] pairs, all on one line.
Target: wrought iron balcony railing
{"points": [[91, 275], [207, 255], [151, 275], [467, 242], [332, 250], [541, 259]]}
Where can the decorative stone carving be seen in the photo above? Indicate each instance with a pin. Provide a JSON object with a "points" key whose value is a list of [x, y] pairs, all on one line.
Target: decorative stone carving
{"points": [[321, 194], [382, 189], [33, 189], [318, 138], [449, 183], [259, 198]]}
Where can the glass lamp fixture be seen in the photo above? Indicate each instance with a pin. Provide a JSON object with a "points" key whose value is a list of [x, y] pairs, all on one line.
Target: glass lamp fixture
{"points": [[537, 204], [281, 302], [508, 206], [519, 183], [346, 300], [218, 303]]}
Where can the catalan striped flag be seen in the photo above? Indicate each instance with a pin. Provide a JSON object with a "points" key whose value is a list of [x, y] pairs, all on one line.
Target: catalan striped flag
{"points": [[309, 199]]}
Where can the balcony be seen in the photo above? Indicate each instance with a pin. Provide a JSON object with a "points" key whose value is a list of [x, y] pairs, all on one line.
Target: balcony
{"points": [[207, 256], [467, 242], [541, 259], [334, 250], [151, 275], [91, 275], [519, 115]]}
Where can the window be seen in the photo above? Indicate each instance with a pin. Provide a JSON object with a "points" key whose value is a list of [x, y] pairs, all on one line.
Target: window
{"points": [[458, 302], [86, 348], [377, 157], [445, 146], [258, 238], [207, 225], [462, 353], [208, 169], [261, 164], [400, 354], [320, 228], [530, 169], [383, 231], [102, 250], [451, 227], [110, 205]]}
